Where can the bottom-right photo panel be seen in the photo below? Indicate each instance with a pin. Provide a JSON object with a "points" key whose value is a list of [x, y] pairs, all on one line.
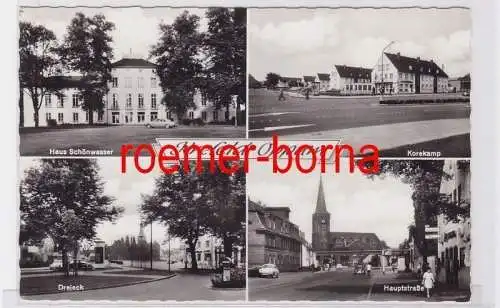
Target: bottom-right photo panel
{"points": [[398, 233]]}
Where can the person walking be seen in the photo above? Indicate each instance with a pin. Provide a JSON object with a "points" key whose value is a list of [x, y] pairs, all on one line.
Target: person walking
{"points": [[282, 95], [368, 269], [307, 92], [428, 281]]}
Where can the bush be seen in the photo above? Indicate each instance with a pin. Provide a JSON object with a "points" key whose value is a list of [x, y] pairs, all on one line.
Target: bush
{"points": [[33, 263], [198, 122], [186, 121], [237, 279], [51, 123]]}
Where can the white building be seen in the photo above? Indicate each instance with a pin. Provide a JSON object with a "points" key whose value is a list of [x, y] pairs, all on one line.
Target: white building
{"points": [[307, 255], [395, 73], [134, 97], [323, 81], [209, 253], [454, 242], [349, 80]]}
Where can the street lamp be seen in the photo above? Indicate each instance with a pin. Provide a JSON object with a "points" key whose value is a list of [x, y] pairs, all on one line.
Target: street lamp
{"points": [[382, 86]]}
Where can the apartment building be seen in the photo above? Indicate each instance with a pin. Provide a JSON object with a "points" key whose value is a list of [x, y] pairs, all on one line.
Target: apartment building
{"points": [[350, 80]]}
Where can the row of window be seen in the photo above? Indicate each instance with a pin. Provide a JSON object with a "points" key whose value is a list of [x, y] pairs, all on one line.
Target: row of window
{"points": [[128, 101], [356, 87], [453, 254], [75, 98], [281, 259], [76, 117], [282, 243], [129, 82]]}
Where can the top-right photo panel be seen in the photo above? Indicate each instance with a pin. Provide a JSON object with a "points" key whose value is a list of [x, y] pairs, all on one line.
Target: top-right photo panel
{"points": [[396, 78]]}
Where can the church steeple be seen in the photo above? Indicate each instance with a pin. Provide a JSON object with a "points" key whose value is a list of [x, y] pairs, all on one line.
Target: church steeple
{"points": [[320, 202]]}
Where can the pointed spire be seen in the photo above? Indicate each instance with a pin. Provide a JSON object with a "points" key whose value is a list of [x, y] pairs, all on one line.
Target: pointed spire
{"points": [[320, 203]]}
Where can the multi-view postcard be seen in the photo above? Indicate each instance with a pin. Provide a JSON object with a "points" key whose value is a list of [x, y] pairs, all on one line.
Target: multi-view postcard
{"points": [[398, 78], [92, 80]]}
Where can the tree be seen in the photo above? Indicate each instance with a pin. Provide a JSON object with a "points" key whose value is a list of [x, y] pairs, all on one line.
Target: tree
{"points": [[178, 62], [37, 62], [74, 233], [253, 83], [180, 202], [272, 80], [227, 198], [87, 49], [424, 177], [225, 46], [56, 186]]}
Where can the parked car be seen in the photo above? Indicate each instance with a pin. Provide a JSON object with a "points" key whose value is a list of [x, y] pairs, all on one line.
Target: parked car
{"points": [[269, 270], [161, 123], [56, 265], [81, 265], [254, 271]]}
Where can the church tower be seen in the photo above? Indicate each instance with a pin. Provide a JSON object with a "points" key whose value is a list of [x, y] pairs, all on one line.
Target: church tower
{"points": [[320, 222]]}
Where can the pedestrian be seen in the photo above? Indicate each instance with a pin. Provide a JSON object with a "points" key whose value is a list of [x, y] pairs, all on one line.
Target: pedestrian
{"points": [[368, 269], [307, 93], [282, 95], [428, 281]]}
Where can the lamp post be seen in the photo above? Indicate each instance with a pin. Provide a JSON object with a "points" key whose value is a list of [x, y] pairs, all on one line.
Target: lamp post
{"points": [[382, 86]]}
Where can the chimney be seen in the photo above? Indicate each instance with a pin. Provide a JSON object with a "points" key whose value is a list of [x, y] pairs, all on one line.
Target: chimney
{"points": [[442, 67]]}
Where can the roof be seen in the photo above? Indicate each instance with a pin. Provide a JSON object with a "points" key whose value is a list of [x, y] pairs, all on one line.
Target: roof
{"points": [[288, 79], [309, 78], [355, 241], [133, 62], [353, 72], [411, 65], [62, 82], [465, 78], [324, 77]]}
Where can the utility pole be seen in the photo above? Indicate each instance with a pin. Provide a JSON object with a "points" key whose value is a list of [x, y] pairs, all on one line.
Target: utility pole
{"points": [[151, 247]]}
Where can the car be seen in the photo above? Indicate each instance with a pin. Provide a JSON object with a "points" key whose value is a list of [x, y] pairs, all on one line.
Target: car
{"points": [[339, 266], [81, 265], [269, 270], [56, 265], [161, 123], [254, 271]]}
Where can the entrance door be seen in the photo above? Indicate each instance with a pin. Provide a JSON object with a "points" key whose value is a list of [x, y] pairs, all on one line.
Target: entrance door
{"points": [[115, 117]]}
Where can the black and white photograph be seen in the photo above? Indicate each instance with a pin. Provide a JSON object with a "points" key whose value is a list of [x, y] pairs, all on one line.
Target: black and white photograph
{"points": [[92, 79], [402, 234], [89, 232], [397, 78]]}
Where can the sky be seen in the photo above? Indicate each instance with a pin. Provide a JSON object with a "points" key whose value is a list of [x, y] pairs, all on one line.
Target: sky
{"points": [[136, 29], [126, 189], [355, 203], [302, 42]]}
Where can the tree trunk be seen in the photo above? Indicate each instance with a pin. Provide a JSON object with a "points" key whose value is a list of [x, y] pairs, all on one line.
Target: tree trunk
{"points": [[36, 109], [91, 115], [65, 262], [75, 255], [194, 262], [21, 107]]}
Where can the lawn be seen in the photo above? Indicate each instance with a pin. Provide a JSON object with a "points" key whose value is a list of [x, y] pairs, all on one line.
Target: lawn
{"points": [[49, 284]]}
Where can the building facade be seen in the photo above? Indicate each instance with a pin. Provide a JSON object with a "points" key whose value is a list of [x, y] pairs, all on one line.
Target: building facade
{"points": [[454, 241], [346, 248], [323, 82], [394, 73], [307, 255], [210, 253], [349, 80], [288, 82], [272, 238], [134, 97]]}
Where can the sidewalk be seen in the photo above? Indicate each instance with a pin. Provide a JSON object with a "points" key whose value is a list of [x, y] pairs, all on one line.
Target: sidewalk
{"points": [[384, 136]]}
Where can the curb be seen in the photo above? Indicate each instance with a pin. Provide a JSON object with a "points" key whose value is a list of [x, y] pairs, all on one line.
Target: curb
{"points": [[104, 287]]}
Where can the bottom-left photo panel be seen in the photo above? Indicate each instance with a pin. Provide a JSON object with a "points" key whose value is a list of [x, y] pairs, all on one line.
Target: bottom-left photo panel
{"points": [[91, 229]]}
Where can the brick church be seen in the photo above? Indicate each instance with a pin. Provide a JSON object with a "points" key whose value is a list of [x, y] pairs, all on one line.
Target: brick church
{"points": [[346, 248]]}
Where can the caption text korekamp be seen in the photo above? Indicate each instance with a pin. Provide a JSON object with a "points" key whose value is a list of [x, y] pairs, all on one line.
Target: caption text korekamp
{"points": [[227, 157]]}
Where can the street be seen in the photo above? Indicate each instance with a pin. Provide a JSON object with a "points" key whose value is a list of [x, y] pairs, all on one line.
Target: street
{"points": [[39, 142], [340, 285], [358, 120], [182, 287]]}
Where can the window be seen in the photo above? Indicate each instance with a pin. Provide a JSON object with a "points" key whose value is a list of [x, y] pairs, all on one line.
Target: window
{"points": [[140, 100], [114, 82], [48, 116], [60, 117], [154, 116], [207, 244], [86, 116], [129, 101], [169, 115], [140, 117], [198, 256], [203, 100], [115, 101], [48, 100], [191, 115], [390, 76], [208, 257], [100, 116], [140, 82], [60, 101], [153, 101], [75, 117], [76, 99], [153, 82], [128, 82]]}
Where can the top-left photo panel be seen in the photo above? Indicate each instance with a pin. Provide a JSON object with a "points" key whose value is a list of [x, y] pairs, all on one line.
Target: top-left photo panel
{"points": [[93, 79]]}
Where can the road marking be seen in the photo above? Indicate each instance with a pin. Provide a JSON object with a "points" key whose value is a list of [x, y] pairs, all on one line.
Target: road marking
{"points": [[270, 114], [273, 128]]}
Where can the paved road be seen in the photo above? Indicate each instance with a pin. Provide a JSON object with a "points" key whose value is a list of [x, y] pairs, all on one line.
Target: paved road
{"points": [[324, 114], [111, 138], [327, 286], [183, 287]]}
